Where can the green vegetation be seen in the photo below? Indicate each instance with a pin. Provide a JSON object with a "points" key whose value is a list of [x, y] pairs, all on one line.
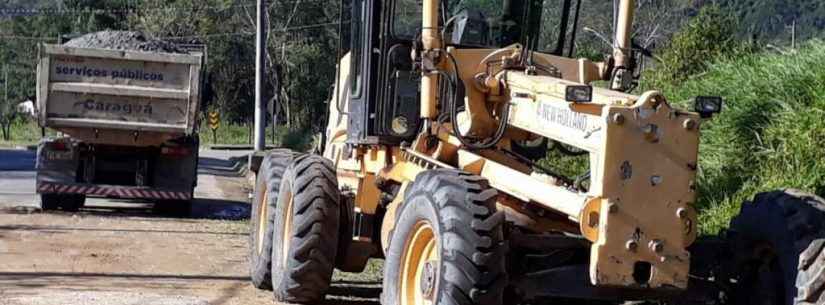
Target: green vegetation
{"points": [[22, 133], [302, 36], [773, 20], [771, 131], [706, 37], [769, 134], [240, 134]]}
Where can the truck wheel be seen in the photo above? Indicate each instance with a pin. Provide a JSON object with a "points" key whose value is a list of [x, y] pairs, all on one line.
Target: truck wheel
{"points": [[305, 235], [447, 246], [263, 205], [779, 242], [73, 202], [49, 202], [66, 202]]}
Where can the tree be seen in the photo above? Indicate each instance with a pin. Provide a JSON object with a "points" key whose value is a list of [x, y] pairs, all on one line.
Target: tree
{"points": [[707, 36]]}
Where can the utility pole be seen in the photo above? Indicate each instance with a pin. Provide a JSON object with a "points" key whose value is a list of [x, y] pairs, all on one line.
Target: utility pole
{"points": [[793, 35], [6, 105], [260, 66], [6, 84]]}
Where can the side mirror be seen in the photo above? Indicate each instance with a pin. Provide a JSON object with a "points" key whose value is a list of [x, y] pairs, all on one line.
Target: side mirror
{"points": [[707, 106]]}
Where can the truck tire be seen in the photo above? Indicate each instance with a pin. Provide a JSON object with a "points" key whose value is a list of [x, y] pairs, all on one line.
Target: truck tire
{"points": [[66, 202], [73, 202], [305, 236], [49, 202], [267, 184], [447, 246], [779, 242]]}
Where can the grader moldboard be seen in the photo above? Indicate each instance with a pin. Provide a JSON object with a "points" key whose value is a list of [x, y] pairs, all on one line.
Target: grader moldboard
{"points": [[439, 111]]}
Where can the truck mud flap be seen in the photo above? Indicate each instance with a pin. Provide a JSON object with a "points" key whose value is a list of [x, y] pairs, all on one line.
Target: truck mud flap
{"points": [[113, 191]]}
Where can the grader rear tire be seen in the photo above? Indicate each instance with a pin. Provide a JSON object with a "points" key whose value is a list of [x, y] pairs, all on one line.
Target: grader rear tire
{"points": [[305, 236], [263, 205], [447, 247], [779, 240]]}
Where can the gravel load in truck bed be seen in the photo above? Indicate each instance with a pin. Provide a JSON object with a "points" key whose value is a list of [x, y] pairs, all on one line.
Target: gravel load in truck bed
{"points": [[123, 40]]}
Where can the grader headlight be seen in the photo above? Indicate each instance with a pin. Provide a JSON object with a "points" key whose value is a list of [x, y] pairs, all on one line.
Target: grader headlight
{"points": [[707, 106], [579, 94]]}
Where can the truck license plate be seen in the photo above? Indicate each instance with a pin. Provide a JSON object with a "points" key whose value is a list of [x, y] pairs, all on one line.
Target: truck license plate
{"points": [[58, 155]]}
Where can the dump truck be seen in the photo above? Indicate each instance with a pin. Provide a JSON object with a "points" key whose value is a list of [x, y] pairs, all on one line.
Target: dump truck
{"points": [[440, 113], [127, 123]]}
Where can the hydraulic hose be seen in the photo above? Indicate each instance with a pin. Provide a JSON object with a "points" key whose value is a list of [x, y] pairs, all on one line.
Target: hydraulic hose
{"points": [[453, 111]]}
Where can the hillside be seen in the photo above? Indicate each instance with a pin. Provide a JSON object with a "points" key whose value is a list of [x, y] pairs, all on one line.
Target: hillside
{"points": [[773, 19]]}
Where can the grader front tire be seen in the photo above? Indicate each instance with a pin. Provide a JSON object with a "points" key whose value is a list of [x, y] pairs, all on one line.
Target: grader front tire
{"points": [[305, 237], [447, 247], [263, 204], [779, 239]]}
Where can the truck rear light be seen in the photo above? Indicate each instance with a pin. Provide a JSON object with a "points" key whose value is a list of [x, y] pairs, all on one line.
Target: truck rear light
{"points": [[58, 146], [175, 151]]}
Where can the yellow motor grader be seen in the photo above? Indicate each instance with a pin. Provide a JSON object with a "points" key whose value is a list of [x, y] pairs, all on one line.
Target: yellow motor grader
{"points": [[439, 113]]}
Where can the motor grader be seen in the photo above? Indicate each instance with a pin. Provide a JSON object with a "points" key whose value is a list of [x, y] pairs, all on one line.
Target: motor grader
{"points": [[438, 116]]}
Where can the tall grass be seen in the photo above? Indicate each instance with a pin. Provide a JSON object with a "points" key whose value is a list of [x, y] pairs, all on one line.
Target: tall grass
{"points": [[299, 140], [770, 134], [27, 132], [23, 132]]}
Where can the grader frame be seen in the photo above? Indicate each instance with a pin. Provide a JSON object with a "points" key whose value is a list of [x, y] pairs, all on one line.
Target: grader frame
{"points": [[637, 213], [422, 111]]}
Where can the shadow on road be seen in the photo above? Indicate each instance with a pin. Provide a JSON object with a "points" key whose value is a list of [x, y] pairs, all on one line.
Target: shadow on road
{"points": [[353, 294], [218, 167], [202, 208], [64, 230], [20, 276]]}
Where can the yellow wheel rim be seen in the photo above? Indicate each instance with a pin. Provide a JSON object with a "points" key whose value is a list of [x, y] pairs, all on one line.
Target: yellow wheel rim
{"points": [[287, 236], [262, 220], [419, 272]]}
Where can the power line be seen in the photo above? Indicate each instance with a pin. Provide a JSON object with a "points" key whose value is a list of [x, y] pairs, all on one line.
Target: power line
{"points": [[308, 26]]}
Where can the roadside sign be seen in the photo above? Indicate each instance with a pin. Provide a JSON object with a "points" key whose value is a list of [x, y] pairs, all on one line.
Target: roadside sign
{"points": [[214, 124], [214, 120]]}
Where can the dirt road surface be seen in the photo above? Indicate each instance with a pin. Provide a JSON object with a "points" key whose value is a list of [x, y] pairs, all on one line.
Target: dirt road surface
{"points": [[115, 252]]}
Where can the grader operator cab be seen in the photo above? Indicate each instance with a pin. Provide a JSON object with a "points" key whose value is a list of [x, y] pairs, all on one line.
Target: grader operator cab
{"points": [[439, 111]]}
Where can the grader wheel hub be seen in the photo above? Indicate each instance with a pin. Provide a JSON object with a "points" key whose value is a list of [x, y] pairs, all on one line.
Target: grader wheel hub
{"points": [[262, 221], [419, 277], [287, 233], [428, 280]]}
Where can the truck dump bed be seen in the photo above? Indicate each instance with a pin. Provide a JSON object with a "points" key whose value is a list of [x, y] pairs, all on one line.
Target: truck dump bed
{"points": [[118, 97]]}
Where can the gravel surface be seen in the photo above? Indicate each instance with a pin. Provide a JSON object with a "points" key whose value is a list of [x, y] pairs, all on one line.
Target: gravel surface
{"points": [[105, 298], [116, 252], [123, 40]]}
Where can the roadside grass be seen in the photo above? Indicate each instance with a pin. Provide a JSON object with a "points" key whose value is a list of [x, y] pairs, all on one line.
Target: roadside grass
{"points": [[239, 134], [770, 134], [23, 133], [27, 132]]}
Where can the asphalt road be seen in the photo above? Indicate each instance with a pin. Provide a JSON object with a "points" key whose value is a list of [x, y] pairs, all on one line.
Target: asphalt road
{"points": [[17, 177]]}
